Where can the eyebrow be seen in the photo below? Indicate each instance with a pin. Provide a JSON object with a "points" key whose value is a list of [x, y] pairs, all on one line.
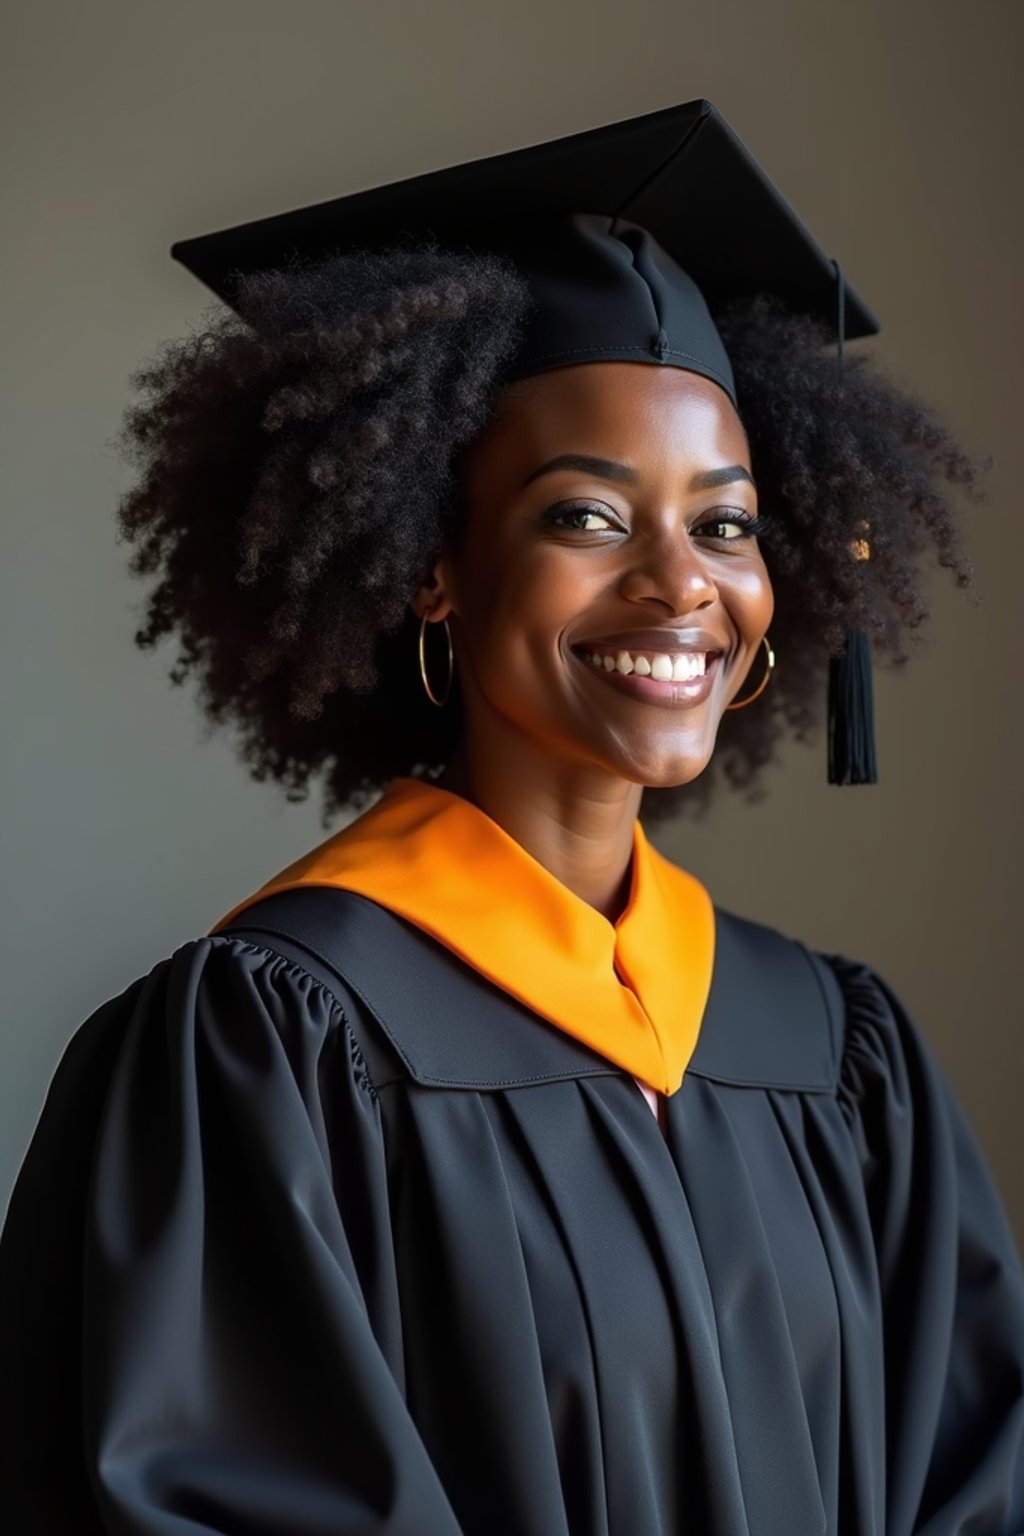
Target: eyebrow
{"points": [[610, 469]]}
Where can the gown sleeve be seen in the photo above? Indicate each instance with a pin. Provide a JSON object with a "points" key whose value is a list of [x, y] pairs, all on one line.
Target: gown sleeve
{"points": [[950, 1278], [198, 1325]]}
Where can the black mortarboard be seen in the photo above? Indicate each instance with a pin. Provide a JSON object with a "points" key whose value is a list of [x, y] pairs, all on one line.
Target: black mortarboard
{"points": [[626, 235]]}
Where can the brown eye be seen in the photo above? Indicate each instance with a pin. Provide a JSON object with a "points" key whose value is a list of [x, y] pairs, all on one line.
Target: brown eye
{"points": [[733, 526], [728, 529], [584, 519]]}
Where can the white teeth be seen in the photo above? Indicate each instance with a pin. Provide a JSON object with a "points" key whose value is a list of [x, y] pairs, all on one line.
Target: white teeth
{"points": [[686, 667], [683, 667]]}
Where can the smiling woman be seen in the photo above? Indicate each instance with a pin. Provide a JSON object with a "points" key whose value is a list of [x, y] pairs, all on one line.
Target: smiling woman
{"points": [[353, 1214]]}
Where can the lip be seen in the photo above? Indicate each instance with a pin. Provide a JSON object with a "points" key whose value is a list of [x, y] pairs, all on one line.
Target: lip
{"points": [[649, 690], [670, 641]]}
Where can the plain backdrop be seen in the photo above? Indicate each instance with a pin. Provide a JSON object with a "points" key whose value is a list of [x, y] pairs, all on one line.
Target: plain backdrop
{"points": [[893, 126]]}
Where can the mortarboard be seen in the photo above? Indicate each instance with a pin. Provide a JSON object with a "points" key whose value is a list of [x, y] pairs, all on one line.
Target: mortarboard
{"points": [[628, 236]]}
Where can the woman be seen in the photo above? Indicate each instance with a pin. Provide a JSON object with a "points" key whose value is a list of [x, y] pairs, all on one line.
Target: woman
{"points": [[357, 1215]]}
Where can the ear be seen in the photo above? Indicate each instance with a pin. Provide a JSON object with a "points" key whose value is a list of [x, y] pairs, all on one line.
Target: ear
{"points": [[433, 597]]}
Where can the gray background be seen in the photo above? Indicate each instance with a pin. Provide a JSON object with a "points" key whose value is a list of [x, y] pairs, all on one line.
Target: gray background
{"points": [[895, 129]]}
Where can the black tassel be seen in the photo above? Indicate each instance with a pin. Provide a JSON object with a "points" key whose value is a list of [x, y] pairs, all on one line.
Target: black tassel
{"points": [[851, 705], [851, 714]]}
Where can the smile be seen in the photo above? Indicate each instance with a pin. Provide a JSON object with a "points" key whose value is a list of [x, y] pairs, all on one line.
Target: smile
{"points": [[680, 668], [655, 677]]}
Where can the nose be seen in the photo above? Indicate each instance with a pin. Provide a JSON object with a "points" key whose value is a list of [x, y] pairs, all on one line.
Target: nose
{"points": [[671, 571]]}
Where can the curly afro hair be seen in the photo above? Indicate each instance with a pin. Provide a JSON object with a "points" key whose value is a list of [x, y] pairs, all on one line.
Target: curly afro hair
{"points": [[299, 472]]}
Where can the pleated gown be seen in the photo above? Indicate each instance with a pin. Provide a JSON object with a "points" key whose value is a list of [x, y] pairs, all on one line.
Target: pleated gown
{"points": [[306, 1244]]}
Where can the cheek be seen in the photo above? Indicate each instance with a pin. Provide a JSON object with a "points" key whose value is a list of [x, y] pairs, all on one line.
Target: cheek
{"points": [[522, 601], [515, 624], [490, 594], [747, 592]]}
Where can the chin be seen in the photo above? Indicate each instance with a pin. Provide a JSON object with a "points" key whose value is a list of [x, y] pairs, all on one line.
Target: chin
{"points": [[666, 773]]}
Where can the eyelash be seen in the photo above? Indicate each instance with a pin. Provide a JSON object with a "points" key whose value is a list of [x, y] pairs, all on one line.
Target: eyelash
{"points": [[752, 527]]}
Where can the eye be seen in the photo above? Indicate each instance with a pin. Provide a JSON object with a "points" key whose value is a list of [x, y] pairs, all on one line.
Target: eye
{"points": [[583, 519], [731, 526]]}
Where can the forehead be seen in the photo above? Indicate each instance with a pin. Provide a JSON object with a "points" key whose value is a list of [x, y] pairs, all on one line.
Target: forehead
{"points": [[643, 414]]}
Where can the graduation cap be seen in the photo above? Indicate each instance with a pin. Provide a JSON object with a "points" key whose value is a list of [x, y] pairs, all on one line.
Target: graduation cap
{"points": [[627, 235]]}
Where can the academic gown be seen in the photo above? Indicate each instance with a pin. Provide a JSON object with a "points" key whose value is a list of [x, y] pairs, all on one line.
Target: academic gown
{"points": [[306, 1244]]}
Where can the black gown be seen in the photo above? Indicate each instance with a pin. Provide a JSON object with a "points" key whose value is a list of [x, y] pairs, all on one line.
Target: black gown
{"points": [[322, 1233]]}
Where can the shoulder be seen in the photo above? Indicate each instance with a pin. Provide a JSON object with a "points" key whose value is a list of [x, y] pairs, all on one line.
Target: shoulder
{"points": [[215, 1008], [222, 1044], [421, 1013], [783, 1014]]}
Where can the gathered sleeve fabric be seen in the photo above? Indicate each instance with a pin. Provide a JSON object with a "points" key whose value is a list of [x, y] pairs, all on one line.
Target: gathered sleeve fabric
{"points": [[949, 1277], [211, 1318]]}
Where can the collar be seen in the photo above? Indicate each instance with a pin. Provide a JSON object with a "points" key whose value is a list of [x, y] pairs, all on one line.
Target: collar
{"points": [[633, 991], [775, 1017]]}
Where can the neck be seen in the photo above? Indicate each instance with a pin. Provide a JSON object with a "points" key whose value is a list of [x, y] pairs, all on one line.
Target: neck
{"points": [[575, 821]]}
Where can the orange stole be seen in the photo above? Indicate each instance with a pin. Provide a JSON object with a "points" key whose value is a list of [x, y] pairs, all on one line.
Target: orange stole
{"points": [[634, 991]]}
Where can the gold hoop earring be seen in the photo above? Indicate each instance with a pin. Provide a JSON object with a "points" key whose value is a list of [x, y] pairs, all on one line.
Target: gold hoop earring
{"points": [[423, 664], [742, 703]]}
